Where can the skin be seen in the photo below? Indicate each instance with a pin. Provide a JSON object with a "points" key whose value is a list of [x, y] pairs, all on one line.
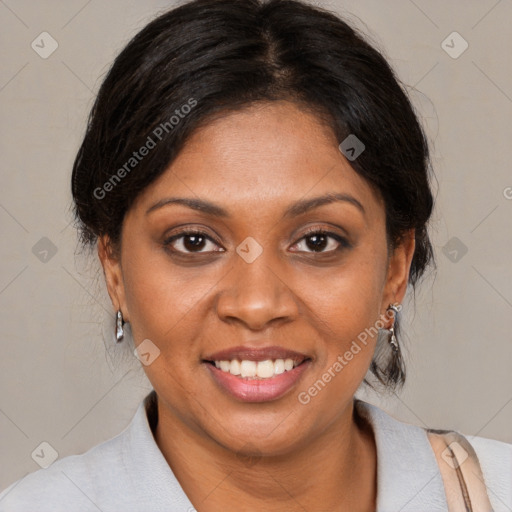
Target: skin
{"points": [[276, 455]]}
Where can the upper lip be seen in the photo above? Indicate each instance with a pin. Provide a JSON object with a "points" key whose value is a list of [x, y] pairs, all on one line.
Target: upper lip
{"points": [[256, 354]]}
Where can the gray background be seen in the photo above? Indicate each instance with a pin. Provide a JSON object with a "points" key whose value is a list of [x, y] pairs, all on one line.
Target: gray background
{"points": [[63, 383]]}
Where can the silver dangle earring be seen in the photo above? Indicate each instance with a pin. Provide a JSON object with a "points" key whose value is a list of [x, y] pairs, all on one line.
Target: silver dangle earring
{"points": [[119, 326], [392, 338]]}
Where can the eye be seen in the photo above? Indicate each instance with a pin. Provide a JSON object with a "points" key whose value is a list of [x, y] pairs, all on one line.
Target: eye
{"points": [[196, 241], [191, 241], [322, 241]]}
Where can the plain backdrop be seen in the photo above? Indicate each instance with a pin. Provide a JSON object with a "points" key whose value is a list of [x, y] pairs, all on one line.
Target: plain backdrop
{"points": [[62, 379]]}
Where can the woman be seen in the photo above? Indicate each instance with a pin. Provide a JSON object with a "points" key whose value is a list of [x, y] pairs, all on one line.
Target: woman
{"points": [[257, 185]]}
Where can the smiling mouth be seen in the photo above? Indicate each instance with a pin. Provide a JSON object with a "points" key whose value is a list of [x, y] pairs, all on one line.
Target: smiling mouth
{"points": [[248, 369]]}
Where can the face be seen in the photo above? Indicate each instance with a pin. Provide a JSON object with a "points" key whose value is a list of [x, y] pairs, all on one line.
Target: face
{"points": [[255, 272]]}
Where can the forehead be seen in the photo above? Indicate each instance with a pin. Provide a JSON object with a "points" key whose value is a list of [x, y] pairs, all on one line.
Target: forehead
{"points": [[259, 159]]}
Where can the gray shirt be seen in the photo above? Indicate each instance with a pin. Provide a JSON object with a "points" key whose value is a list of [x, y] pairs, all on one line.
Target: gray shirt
{"points": [[129, 472]]}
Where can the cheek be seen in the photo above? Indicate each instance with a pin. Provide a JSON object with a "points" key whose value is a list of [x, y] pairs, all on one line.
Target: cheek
{"points": [[345, 309], [163, 299], [347, 317], [349, 296]]}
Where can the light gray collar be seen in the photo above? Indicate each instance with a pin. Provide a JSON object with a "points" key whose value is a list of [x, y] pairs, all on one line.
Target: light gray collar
{"points": [[408, 478]]}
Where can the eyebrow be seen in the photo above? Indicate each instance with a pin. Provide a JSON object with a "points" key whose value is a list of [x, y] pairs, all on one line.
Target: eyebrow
{"points": [[298, 208]]}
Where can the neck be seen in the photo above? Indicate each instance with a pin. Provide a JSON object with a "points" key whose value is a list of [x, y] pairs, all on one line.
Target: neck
{"points": [[336, 469]]}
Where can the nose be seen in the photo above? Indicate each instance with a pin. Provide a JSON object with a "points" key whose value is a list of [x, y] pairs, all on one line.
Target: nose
{"points": [[256, 294]]}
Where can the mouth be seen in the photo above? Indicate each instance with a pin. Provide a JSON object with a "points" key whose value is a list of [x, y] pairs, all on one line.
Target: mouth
{"points": [[256, 363], [260, 370], [257, 375]]}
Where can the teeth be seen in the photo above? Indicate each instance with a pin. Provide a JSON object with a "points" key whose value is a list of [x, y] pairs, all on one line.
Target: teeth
{"points": [[248, 368], [258, 369], [279, 366], [234, 367], [265, 369]]}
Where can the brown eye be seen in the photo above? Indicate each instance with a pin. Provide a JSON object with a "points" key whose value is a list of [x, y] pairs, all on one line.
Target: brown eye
{"points": [[188, 242], [320, 241]]}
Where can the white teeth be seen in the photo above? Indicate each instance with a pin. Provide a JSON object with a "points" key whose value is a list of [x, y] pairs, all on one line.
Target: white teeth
{"points": [[265, 369], [279, 366], [248, 368], [259, 369], [235, 367], [225, 365]]}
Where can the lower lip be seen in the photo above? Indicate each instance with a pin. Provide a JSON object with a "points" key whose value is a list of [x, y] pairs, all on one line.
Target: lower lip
{"points": [[258, 390]]}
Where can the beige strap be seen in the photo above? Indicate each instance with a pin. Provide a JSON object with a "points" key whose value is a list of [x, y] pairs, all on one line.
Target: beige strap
{"points": [[463, 480]]}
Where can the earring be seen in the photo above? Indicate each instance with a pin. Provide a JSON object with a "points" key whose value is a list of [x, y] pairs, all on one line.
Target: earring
{"points": [[392, 338], [119, 326]]}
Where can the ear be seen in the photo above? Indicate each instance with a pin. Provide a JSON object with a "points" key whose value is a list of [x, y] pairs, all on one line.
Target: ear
{"points": [[398, 270], [111, 263]]}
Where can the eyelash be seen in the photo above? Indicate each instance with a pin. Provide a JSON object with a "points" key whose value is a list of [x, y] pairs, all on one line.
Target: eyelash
{"points": [[344, 244]]}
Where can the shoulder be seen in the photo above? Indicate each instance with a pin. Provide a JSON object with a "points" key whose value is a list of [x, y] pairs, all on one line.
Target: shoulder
{"points": [[127, 472], [408, 473], [70, 481], [495, 459]]}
